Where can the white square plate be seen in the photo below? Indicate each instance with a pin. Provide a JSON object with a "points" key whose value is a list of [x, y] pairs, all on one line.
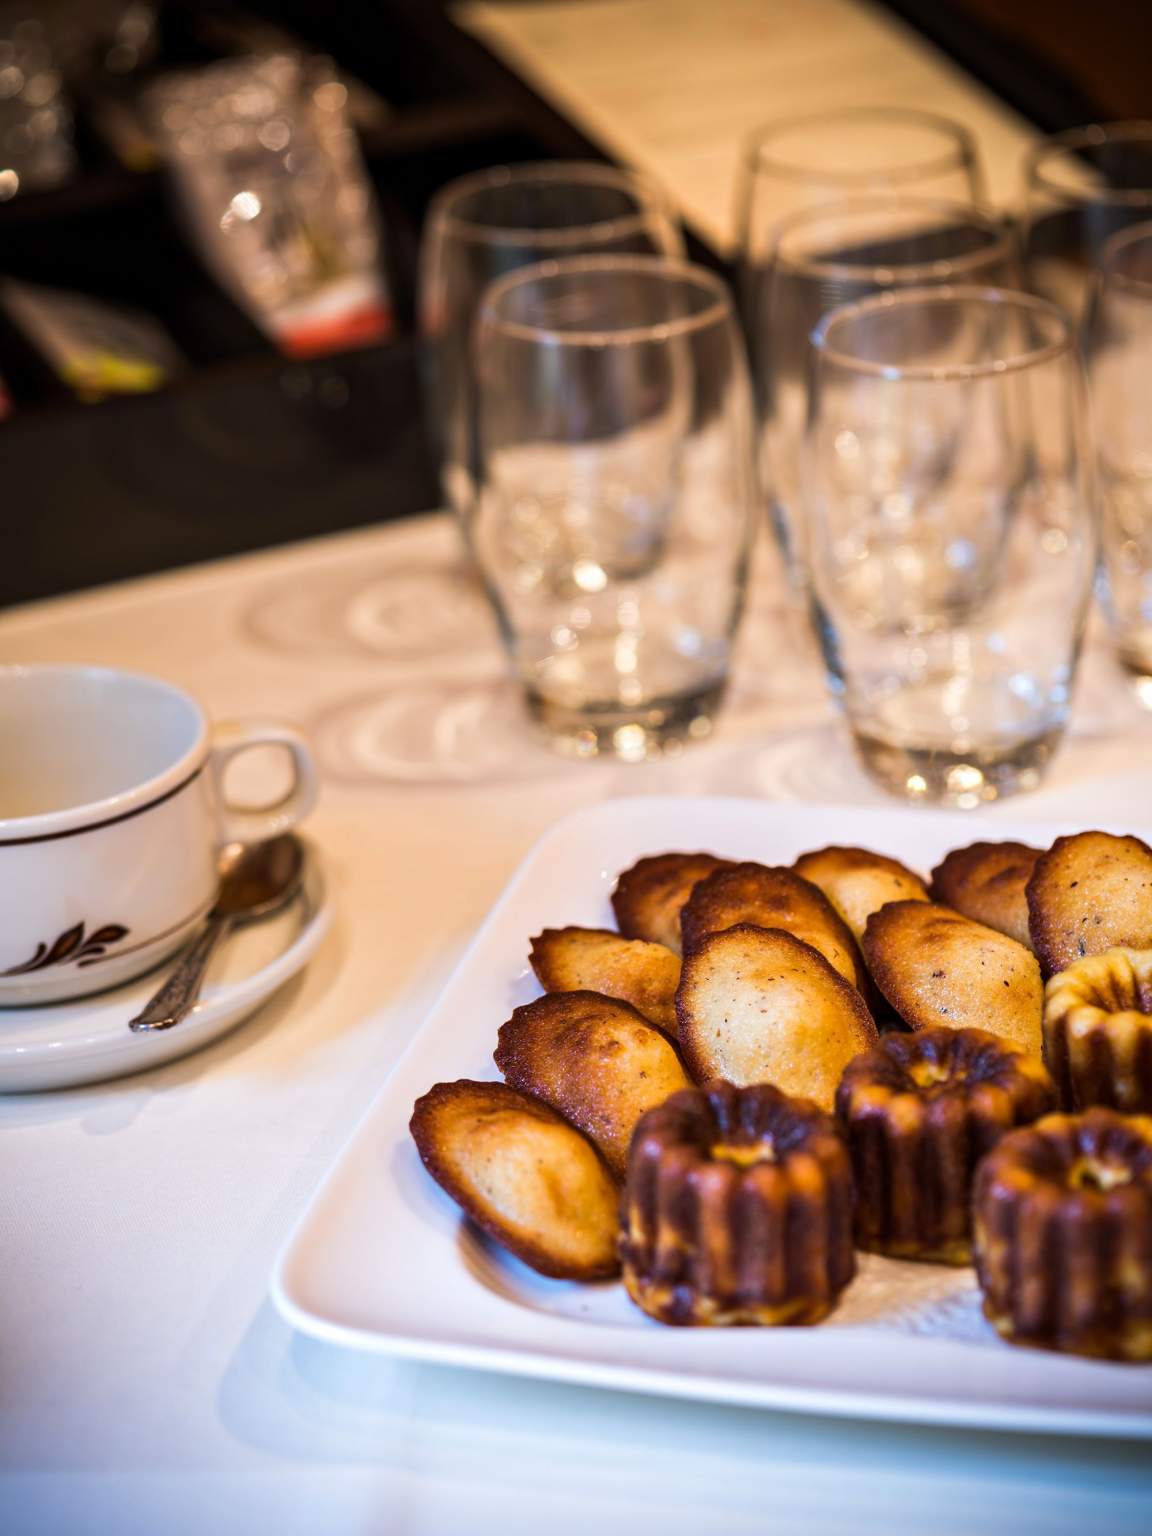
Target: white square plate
{"points": [[382, 1261]]}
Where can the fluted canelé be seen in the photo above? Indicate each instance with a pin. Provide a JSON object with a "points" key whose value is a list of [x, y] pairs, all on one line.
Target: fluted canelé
{"points": [[1098, 1031], [919, 1111], [737, 1209], [1063, 1235]]}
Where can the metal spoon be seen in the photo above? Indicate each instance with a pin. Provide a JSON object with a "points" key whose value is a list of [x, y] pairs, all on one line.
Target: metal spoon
{"points": [[256, 881]]}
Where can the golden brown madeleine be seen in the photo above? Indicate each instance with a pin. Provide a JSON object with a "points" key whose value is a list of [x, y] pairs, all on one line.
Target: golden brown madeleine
{"points": [[986, 882], [919, 1112], [1098, 1031], [936, 967], [597, 960], [1089, 893], [758, 1006], [737, 1209], [528, 1179], [1062, 1216], [648, 897], [771, 898], [595, 1060], [859, 882]]}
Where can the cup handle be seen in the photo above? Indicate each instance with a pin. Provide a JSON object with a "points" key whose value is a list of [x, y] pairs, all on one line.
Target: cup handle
{"points": [[244, 825]]}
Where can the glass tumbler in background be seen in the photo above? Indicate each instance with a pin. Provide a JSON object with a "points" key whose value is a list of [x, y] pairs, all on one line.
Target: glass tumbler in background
{"points": [[948, 483], [1117, 342], [797, 162], [615, 499], [484, 226], [1082, 188], [276, 195], [834, 254]]}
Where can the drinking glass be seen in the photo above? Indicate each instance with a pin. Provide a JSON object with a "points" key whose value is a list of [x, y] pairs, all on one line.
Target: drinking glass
{"points": [[834, 254], [795, 162], [946, 472], [798, 162], [484, 226], [276, 195], [1083, 187], [615, 499], [1118, 352]]}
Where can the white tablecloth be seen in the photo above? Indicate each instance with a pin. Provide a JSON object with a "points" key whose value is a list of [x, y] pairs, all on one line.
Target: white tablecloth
{"points": [[146, 1384]]}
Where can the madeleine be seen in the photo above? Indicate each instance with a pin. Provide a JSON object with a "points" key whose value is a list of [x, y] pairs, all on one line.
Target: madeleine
{"points": [[648, 897], [597, 960], [1090, 893], [987, 882], [936, 967], [770, 897], [757, 1005], [522, 1175], [859, 882], [595, 1060]]}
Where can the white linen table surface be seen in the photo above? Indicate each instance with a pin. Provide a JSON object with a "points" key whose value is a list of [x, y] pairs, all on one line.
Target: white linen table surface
{"points": [[146, 1382]]}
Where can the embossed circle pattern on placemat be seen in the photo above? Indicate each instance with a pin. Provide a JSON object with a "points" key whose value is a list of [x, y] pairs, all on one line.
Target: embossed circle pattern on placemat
{"points": [[433, 732], [416, 610], [815, 763]]}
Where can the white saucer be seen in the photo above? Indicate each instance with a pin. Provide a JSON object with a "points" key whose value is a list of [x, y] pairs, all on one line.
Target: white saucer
{"points": [[58, 1045]]}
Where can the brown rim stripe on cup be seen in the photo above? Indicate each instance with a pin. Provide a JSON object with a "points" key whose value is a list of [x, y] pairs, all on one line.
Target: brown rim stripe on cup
{"points": [[110, 821]]}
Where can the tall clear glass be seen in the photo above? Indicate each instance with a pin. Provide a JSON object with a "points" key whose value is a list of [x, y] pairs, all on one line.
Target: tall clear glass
{"points": [[1083, 187], [1118, 352], [484, 226], [795, 163], [948, 482], [615, 500], [835, 254]]}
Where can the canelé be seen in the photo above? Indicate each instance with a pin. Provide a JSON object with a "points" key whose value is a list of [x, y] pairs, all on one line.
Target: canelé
{"points": [[737, 1209], [1098, 1031], [1062, 1214], [919, 1112]]}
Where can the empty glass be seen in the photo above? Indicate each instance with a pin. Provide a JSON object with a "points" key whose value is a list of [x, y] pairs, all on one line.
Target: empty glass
{"points": [[798, 162], [1083, 187], [795, 162], [277, 196], [946, 473], [1118, 351], [484, 226], [615, 499], [834, 254]]}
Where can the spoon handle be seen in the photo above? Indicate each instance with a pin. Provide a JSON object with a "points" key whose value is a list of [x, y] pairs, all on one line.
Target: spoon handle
{"points": [[177, 997]]}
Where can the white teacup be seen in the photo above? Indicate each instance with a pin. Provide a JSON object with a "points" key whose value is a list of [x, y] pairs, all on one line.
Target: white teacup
{"points": [[112, 817]]}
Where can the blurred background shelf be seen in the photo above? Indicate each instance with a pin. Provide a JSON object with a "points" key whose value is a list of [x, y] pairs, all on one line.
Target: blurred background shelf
{"points": [[247, 448]]}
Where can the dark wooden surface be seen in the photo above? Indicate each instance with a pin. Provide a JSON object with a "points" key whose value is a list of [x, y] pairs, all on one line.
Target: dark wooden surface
{"points": [[1058, 62]]}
